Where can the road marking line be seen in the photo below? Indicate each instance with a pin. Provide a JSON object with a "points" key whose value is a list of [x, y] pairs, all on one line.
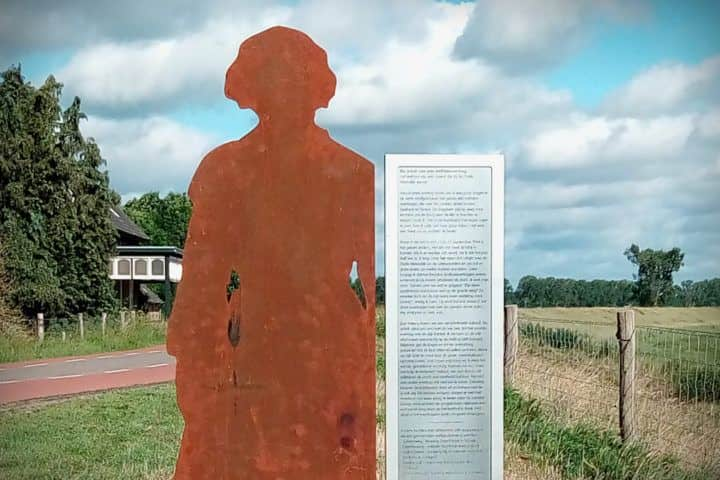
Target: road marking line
{"points": [[156, 351], [120, 370], [130, 354], [4, 382], [155, 365], [106, 356], [76, 360], [65, 376], [35, 365]]}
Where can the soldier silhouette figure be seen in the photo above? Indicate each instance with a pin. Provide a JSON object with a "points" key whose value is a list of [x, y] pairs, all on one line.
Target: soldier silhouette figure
{"points": [[275, 351]]}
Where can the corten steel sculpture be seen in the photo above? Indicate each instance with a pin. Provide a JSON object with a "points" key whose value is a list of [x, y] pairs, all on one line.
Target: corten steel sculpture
{"points": [[275, 352]]}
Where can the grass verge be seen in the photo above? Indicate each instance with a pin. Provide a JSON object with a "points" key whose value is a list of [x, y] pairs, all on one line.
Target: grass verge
{"points": [[583, 451], [132, 434], [139, 334]]}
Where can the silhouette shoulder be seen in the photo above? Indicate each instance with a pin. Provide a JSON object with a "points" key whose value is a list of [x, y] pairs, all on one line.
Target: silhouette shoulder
{"points": [[348, 158], [215, 167]]}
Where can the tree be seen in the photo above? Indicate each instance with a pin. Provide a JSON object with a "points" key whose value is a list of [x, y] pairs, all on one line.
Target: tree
{"points": [[654, 280], [380, 290], [509, 293], [164, 219], [54, 203]]}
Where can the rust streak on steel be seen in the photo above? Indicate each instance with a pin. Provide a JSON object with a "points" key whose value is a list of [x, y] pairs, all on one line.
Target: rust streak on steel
{"points": [[276, 361]]}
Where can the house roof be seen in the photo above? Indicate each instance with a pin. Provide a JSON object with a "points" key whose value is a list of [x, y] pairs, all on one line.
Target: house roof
{"points": [[149, 250], [124, 224]]}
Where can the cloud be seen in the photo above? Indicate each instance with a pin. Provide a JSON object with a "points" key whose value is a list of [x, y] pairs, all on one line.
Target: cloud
{"points": [[581, 184], [148, 154], [524, 35], [52, 25], [668, 87], [158, 75], [587, 141]]}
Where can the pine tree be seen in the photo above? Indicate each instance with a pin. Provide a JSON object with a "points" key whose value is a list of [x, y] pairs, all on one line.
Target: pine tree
{"points": [[54, 203]]}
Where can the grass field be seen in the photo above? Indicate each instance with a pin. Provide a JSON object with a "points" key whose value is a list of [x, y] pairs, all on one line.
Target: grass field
{"points": [[705, 319], [137, 334], [135, 434], [569, 358]]}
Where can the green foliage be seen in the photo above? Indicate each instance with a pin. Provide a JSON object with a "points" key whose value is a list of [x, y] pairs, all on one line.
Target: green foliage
{"points": [[509, 293], [583, 451], [696, 294], [380, 290], [534, 292], [54, 202], [654, 280], [164, 219], [233, 284]]}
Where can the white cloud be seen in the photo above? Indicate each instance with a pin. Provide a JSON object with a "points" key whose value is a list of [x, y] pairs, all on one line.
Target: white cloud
{"points": [[522, 35], [668, 87], [581, 184], [159, 74], [601, 140], [149, 154]]}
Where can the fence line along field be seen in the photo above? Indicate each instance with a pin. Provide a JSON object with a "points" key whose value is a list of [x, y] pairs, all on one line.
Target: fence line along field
{"points": [[570, 360]]}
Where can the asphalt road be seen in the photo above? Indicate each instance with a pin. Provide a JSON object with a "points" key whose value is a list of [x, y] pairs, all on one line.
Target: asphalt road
{"points": [[86, 373]]}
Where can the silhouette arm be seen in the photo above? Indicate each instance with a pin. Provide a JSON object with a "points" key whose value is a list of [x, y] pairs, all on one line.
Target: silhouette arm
{"points": [[201, 292], [364, 234]]}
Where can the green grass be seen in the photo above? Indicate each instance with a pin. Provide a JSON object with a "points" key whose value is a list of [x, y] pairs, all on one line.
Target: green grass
{"points": [[138, 334], [135, 434], [583, 451], [126, 434]]}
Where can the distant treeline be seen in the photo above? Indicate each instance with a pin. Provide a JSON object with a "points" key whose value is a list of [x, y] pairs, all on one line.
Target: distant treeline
{"points": [[567, 292]]}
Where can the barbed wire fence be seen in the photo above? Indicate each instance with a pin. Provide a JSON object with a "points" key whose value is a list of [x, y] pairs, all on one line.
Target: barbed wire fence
{"points": [[652, 385]]}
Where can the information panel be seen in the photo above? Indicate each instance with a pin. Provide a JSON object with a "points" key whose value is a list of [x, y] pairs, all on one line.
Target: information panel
{"points": [[444, 301]]}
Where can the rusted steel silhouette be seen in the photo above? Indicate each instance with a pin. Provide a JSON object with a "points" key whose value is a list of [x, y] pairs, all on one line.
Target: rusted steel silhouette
{"points": [[275, 352]]}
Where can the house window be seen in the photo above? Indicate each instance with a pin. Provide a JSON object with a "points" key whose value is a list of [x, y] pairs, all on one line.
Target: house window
{"points": [[158, 268], [124, 267], [140, 267]]}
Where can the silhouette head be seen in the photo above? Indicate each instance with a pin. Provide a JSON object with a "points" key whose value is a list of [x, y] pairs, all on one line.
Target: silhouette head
{"points": [[280, 72]]}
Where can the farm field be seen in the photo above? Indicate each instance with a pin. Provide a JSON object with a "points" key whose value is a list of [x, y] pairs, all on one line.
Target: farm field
{"points": [[691, 318]]}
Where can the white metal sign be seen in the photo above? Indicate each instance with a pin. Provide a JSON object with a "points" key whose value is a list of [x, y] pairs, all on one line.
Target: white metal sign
{"points": [[444, 299]]}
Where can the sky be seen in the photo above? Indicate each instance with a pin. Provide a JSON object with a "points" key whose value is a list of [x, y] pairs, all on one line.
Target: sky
{"points": [[608, 112]]}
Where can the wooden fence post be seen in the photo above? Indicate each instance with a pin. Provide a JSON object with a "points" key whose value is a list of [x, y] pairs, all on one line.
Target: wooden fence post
{"points": [[82, 325], [41, 327], [511, 342], [122, 319], [626, 340], [104, 323]]}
